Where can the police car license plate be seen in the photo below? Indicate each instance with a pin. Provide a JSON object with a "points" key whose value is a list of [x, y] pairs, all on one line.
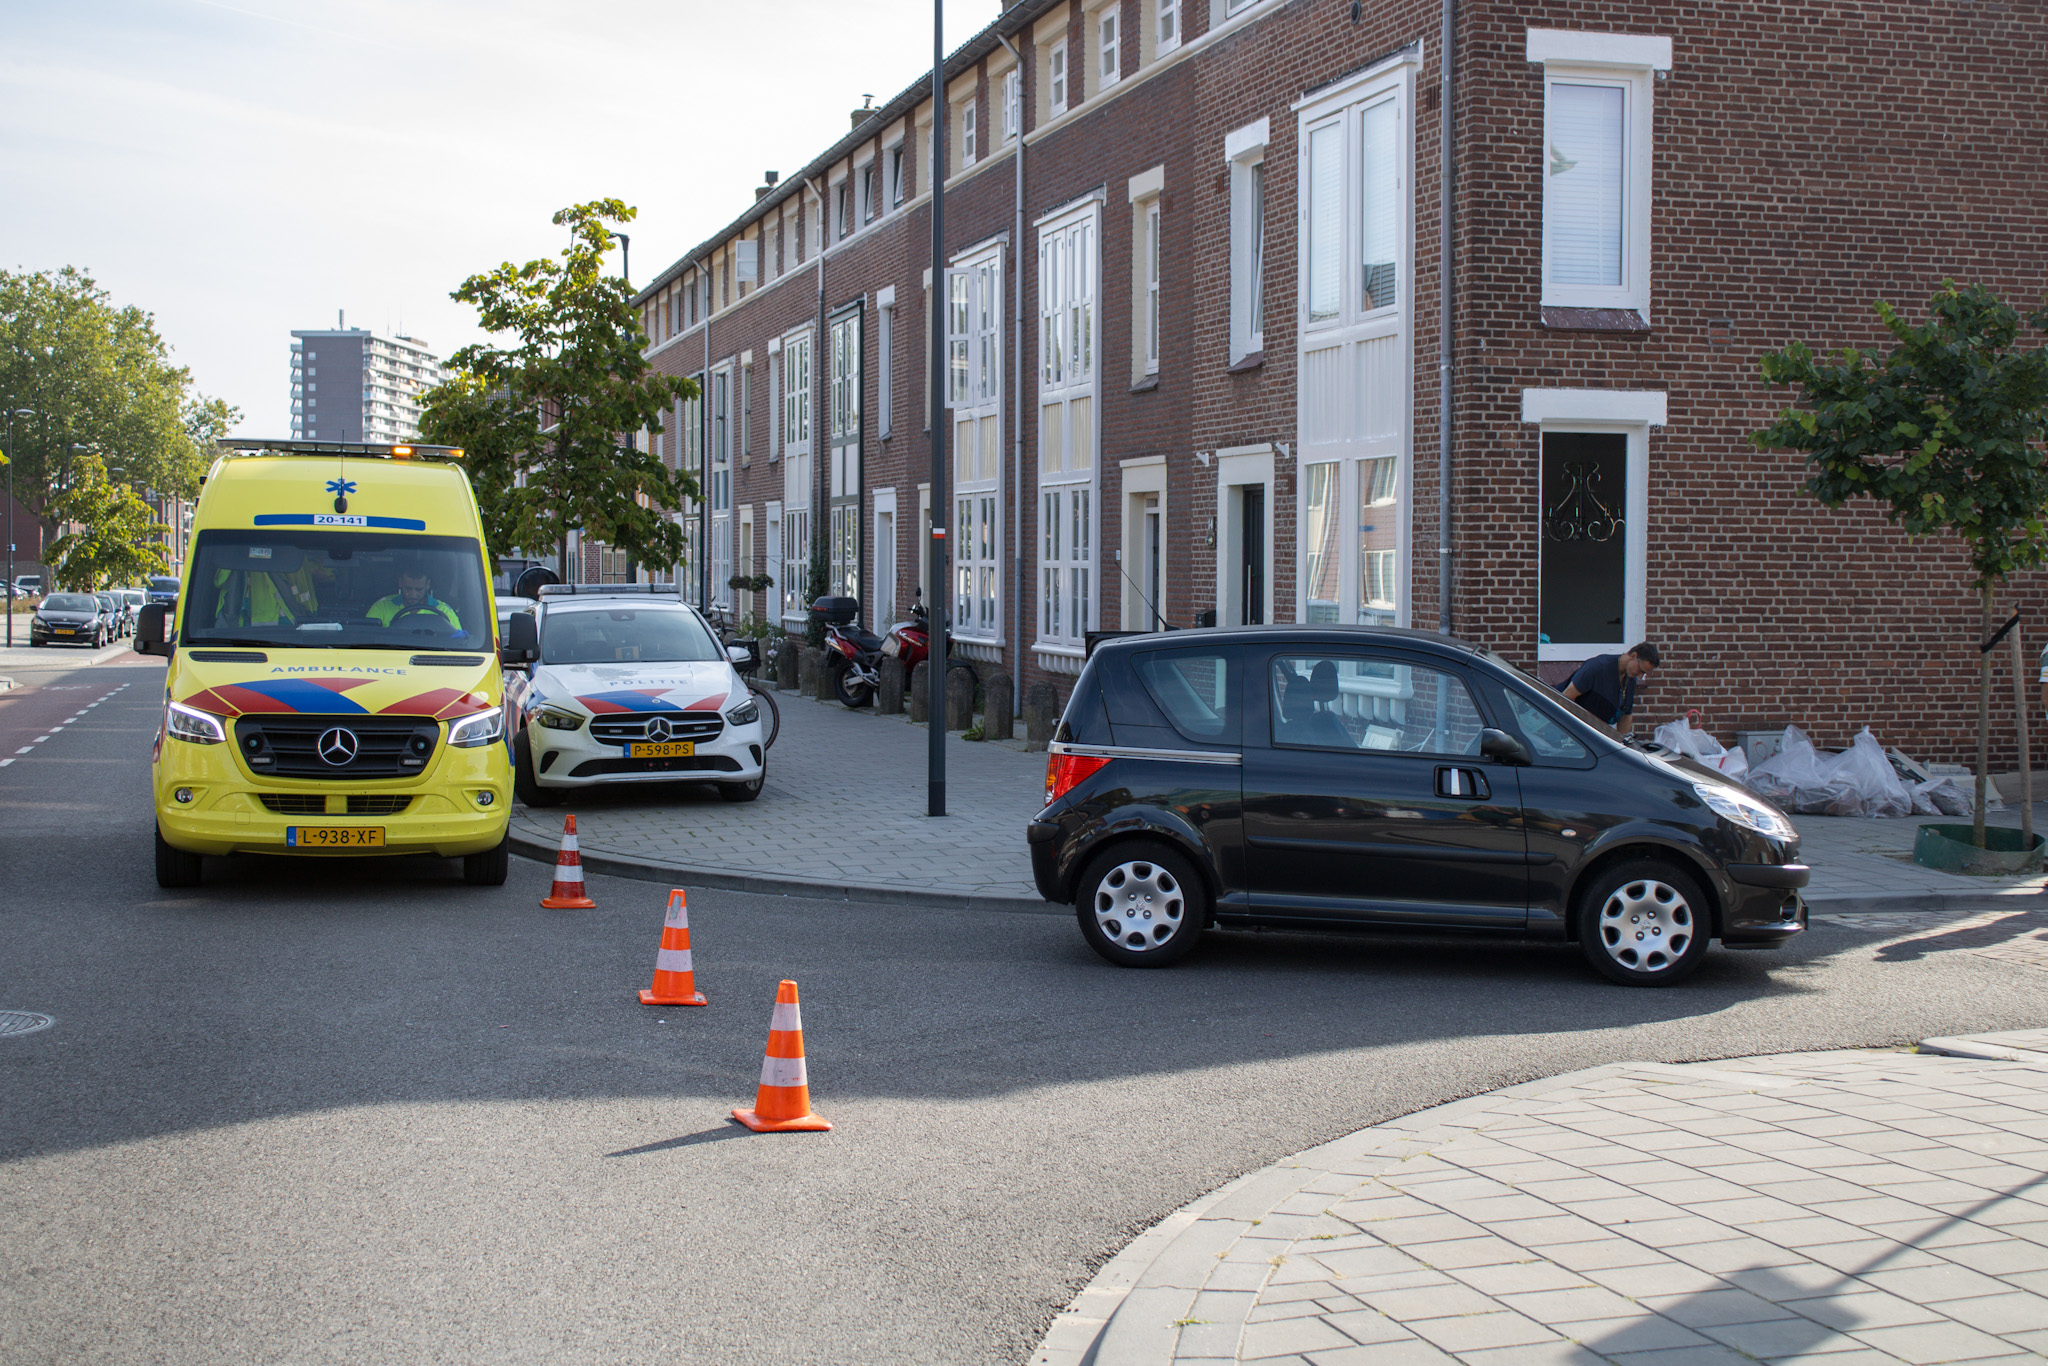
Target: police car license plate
{"points": [[333, 836], [674, 749]]}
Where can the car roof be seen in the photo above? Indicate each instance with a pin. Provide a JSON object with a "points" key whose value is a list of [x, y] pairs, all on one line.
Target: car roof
{"points": [[1307, 633], [600, 602]]}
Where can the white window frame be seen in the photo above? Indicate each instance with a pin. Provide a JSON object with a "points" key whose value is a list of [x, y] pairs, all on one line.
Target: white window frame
{"points": [[1013, 103], [1153, 252], [1334, 424], [723, 379], [885, 357], [967, 119], [893, 159], [1244, 154], [865, 208], [887, 558], [1069, 586], [974, 394], [1109, 50], [799, 402], [1168, 30], [1631, 413], [1057, 77], [1628, 62]]}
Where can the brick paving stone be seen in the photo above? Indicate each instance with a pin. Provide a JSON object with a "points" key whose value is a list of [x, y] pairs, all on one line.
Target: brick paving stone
{"points": [[1931, 1284], [1510, 1278], [1932, 1342], [1640, 1331], [1999, 1258], [1287, 1337], [1412, 1352], [1714, 1307], [1780, 1338], [2012, 1312], [1470, 1332], [1568, 1306], [1706, 1354]]}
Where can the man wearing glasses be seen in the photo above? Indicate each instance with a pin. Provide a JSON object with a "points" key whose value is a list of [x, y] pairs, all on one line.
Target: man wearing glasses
{"points": [[1605, 685]]}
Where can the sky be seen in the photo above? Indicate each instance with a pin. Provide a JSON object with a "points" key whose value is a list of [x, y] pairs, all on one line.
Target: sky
{"points": [[242, 168]]}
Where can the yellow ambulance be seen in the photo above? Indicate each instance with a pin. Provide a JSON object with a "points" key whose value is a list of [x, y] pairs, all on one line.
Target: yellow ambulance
{"points": [[333, 687]]}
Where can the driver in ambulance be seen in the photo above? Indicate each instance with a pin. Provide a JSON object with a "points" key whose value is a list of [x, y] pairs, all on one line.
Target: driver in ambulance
{"points": [[415, 596]]}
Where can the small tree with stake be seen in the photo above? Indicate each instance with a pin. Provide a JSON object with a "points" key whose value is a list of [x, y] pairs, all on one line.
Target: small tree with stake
{"points": [[1945, 432]]}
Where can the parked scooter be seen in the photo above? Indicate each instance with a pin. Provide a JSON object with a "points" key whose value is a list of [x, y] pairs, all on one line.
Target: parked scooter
{"points": [[911, 642], [853, 654]]}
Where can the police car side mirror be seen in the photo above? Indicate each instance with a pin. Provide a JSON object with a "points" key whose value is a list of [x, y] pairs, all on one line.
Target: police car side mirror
{"points": [[152, 630], [522, 641]]}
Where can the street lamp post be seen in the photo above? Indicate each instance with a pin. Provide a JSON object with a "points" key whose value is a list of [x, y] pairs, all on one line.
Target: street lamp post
{"points": [[12, 414], [935, 549]]}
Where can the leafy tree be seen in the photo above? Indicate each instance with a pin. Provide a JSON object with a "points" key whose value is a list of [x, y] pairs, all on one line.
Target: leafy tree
{"points": [[541, 420], [1944, 431], [117, 540], [97, 375]]}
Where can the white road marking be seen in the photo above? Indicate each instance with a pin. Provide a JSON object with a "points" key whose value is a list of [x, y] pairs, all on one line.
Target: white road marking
{"points": [[23, 750], [40, 738]]}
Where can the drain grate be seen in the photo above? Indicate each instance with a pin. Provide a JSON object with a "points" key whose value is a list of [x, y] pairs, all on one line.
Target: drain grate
{"points": [[14, 1022]]}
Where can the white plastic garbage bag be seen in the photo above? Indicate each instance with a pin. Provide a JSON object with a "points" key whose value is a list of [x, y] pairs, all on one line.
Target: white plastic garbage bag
{"points": [[1941, 797], [1683, 737], [1867, 783], [1860, 781], [1792, 777]]}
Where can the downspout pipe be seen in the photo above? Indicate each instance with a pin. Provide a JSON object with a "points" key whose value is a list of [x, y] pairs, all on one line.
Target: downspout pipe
{"points": [[1017, 397], [1446, 185]]}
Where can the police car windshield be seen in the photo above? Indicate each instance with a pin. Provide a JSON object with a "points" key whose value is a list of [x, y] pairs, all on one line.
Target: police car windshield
{"points": [[321, 589], [625, 635]]}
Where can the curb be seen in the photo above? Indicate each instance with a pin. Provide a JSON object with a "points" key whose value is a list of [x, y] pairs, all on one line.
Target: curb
{"points": [[770, 884], [2002, 898]]}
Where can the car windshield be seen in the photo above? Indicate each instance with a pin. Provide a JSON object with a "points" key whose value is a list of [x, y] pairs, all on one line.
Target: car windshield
{"points": [[315, 589], [1550, 694], [71, 602], [625, 635], [163, 585]]}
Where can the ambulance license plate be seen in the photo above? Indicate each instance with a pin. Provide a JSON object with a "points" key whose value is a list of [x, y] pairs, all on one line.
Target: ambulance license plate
{"points": [[333, 836], [674, 749]]}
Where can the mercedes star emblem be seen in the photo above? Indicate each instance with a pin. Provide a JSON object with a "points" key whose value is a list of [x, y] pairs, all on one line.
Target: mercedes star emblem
{"points": [[657, 729], [338, 746]]}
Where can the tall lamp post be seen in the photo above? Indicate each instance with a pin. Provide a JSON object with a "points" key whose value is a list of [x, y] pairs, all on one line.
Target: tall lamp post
{"points": [[12, 414], [938, 578]]}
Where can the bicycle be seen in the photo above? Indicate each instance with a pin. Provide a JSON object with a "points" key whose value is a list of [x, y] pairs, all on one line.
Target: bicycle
{"points": [[764, 696]]}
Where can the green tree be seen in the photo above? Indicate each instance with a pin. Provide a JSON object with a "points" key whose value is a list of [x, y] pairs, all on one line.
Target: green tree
{"points": [[116, 539], [97, 375], [545, 421], [1943, 431]]}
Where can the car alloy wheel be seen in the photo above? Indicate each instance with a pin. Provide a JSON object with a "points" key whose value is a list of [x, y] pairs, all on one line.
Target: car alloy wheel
{"points": [[1140, 905], [1644, 924]]}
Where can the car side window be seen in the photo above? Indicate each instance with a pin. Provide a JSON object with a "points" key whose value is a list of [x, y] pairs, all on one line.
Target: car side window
{"points": [[1363, 703], [1546, 737], [1194, 689]]}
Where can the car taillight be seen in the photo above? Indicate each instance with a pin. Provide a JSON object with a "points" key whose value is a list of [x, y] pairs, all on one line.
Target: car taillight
{"points": [[1063, 771]]}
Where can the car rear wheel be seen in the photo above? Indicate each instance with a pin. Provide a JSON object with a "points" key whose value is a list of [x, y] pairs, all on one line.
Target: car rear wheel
{"points": [[175, 867], [1644, 924], [1140, 905], [489, 868], [523, 784]]}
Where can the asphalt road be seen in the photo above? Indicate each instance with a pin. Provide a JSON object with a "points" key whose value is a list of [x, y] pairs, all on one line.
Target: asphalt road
{"points": [[360, 1111]]}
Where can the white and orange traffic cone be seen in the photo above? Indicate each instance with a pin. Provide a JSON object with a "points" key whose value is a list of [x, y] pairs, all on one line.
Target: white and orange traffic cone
{"points": [[675, 982], [567, 893], [784, 1101]]}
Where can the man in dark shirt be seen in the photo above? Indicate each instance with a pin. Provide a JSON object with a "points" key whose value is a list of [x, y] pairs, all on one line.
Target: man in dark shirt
{"points": [[1605, 685]]}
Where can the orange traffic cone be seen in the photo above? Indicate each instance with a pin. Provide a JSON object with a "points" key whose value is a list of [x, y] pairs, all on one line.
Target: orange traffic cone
{"points": [[784, 1101], [567, 893], [675, 983]]}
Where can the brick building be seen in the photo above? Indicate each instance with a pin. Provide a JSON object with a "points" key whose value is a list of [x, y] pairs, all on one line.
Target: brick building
{"points": [[1195, 295]]}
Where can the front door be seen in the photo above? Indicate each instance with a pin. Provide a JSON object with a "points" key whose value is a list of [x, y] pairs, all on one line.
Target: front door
{"points": [[1253, 571], [1366, 799]]}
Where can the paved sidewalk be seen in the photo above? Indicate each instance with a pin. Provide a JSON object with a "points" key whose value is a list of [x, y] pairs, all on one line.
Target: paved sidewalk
{"points": [[843, 814], [1841, 1208]]}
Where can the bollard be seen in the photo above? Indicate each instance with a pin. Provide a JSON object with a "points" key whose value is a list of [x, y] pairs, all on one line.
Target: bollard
{"points": [[817, 679], [959, 699], [889, 696], [920, 694], [1041, 714], [786, 668], [998, 715]]}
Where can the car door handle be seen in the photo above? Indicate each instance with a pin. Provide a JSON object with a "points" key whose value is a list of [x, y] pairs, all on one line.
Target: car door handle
{"points": [[1466, 783]]}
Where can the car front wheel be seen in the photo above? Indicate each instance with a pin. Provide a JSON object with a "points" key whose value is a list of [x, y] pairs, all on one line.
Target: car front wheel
{"points": [[524, 786], [490, 868], [175, 867], [1644, 924], [1140, 905]]}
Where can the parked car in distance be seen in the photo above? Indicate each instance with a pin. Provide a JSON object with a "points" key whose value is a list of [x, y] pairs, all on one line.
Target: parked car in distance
{"points": [[71, 619], [117, 611], [161, 588], [132, 599], [28, 585], [1370, 779], [508, 603]]}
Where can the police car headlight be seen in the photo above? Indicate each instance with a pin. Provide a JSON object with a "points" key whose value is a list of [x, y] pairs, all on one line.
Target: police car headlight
{"points": [[745, 714], [480, 729], [193, 725], [560, 720]]}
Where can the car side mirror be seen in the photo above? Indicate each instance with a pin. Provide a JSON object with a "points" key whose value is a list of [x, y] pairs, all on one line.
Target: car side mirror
{"points": [[1502, 747], [153, 635], [739, 654], [522, 641]]}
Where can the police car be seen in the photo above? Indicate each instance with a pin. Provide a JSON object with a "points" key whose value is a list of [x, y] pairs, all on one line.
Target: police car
{"points": [[620, 684]]}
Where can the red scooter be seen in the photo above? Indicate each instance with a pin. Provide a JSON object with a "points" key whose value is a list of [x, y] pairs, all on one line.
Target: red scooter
{"points": [[858, 666]]}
